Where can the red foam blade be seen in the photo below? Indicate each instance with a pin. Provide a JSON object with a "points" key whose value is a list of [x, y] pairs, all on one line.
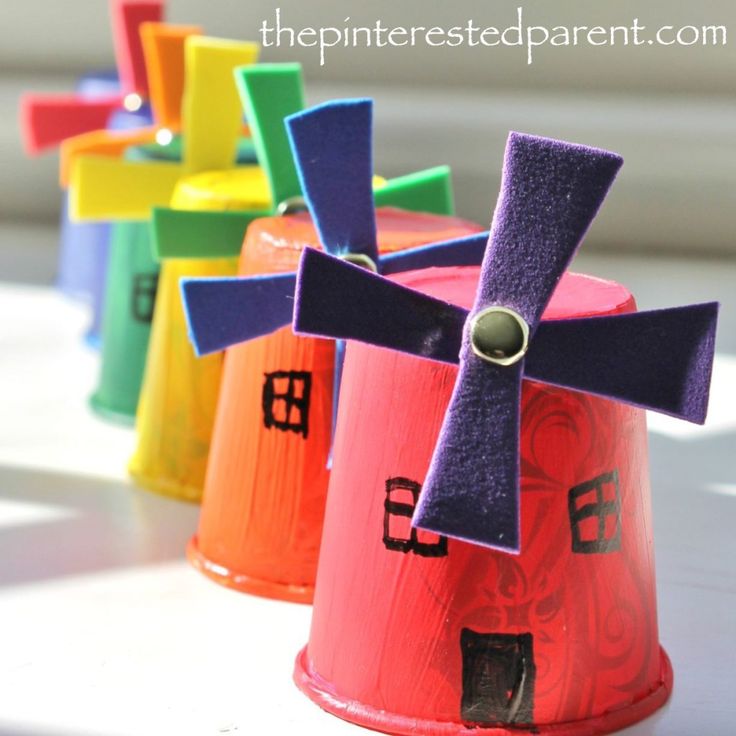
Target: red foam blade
{"points": [[46, 120], [127, 16]]}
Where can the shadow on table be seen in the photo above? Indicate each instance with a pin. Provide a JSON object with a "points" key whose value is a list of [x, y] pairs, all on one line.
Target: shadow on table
{"points": [[60, 524]]}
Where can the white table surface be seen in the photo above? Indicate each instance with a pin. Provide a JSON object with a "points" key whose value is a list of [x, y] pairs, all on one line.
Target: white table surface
{"points": [[105, 630]]}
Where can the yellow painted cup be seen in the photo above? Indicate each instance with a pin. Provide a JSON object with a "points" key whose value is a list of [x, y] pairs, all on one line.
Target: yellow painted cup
{"points": [[179, 395]]}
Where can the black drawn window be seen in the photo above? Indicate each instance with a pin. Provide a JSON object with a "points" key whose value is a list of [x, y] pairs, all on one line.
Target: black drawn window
{"points": [[144, 296], [398, 533], [498, 678], [595, 515], [286, 401]]}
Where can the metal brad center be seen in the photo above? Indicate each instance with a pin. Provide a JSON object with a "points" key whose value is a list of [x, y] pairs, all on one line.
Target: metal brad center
{"points": [[499, 335], [360, 259], [291, 206]]}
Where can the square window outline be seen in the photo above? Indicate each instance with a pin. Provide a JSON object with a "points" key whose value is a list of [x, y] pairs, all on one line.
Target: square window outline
{"points": [[601, 509], [400, 508], [145, 287], [300, 403]]}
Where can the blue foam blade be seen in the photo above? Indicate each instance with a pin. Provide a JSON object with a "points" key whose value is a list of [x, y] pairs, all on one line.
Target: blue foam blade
{"points": [[221, 312], [467, 251], [332, 146]]}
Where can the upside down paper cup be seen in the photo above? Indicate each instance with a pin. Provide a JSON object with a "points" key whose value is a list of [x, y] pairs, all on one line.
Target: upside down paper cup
{"points": [[266, 484], [416, 633], [132, 279], [179, 393], [85, 246]]}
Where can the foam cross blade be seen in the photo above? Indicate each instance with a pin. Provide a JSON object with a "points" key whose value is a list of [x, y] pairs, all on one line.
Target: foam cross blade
{"points": [[660, 360], [47, 119], [331, 144]]}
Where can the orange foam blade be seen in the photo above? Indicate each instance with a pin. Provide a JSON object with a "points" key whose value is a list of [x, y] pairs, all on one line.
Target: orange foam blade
{"points": [[110, 143], [163, 48]]}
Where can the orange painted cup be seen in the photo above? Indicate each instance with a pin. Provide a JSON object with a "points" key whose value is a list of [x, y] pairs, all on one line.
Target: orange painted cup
{"points": [[266, 482]]}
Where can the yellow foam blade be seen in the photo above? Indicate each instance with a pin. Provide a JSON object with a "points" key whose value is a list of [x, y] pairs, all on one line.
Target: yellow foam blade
{"points": [[103, 188], [212, 114], [99, 143]]}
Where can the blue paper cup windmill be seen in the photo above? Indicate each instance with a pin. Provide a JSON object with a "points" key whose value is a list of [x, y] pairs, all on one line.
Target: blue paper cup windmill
{"points": [[659, 360], [273, 426]]}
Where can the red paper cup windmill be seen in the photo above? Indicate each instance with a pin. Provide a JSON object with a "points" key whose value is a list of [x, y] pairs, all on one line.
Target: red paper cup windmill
{"points": [[434, 627], [48, 119]]}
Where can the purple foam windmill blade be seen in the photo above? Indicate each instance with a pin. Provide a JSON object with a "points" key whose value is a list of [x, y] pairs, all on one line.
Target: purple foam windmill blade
{"points": [[550, 194], [659, 360]]}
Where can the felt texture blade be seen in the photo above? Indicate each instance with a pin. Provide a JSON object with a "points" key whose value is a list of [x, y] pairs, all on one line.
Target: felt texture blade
{"points": [[429, 190], [482, 505], [660, 360], [332, 147], [262, 304], [340, 300], [460, 252], [270, 93], [550, 193]]}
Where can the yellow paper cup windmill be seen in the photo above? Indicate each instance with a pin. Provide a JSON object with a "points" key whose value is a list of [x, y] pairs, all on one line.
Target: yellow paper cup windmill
{"points": [[176, 408]]}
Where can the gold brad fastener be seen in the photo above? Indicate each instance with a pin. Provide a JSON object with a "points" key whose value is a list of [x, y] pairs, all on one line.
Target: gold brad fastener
{"points": [[499, 335], [291, 206], [360, 259]]}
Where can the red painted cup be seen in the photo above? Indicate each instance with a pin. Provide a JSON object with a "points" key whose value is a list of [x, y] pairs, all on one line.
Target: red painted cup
{"points": [[414, 633]]}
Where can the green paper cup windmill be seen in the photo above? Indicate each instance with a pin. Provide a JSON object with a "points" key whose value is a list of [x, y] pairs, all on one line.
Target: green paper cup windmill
{"points": [[132, 272]]}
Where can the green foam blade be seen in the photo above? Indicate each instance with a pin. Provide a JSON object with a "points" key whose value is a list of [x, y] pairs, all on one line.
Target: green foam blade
{"points": [[269, 93], [429, 190], [210, 234], [199, 233]]}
